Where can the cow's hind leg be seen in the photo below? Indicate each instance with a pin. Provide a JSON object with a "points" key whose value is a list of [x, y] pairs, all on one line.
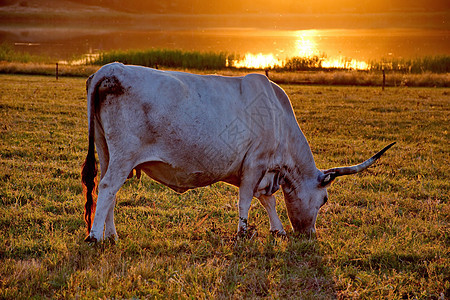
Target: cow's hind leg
{"points": [[110, 227], [269, 203], [103, 157], [104, 214]]}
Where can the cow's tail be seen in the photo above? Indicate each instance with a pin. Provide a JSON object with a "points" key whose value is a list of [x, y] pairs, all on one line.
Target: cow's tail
{"points": [[89, 168]]}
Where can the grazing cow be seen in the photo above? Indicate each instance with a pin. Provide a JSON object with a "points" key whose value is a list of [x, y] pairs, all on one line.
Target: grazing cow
{"points": [[188, 131]]}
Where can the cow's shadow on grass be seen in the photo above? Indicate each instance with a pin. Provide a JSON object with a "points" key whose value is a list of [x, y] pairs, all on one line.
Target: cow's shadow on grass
{"points": [[210, 263]]}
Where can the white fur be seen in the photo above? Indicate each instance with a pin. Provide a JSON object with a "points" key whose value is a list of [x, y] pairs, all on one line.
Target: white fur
{"points": [[187, 131]]}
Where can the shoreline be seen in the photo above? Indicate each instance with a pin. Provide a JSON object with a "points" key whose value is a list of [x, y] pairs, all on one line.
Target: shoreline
{"points": [[334, 77]]}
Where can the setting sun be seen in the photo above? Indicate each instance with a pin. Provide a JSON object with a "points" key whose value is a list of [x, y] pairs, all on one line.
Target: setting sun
{"points": [[305, 47], [305, 44]]}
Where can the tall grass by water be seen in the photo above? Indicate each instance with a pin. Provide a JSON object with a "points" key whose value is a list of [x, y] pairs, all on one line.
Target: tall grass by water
{"points": [[434, 64], [425, 71], [418, 65], [166, 58], [216, 61], [170, 58], [9, 54]]}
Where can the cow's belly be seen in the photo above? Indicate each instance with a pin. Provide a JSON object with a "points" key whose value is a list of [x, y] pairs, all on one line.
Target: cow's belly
{"points": [[176, 178]]}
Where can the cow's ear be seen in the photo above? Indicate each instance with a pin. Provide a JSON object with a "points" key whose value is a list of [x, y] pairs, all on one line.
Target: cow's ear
{"points": [[327, 178]]}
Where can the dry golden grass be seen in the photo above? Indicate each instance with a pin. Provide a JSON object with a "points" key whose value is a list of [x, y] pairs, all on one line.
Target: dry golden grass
{"points": [[384, 234]]}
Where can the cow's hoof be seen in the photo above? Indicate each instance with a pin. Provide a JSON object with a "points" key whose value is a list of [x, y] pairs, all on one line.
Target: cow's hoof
{"points": [[248, 233], [242, 233], [90, 239], [278, 233], [112, 239]]}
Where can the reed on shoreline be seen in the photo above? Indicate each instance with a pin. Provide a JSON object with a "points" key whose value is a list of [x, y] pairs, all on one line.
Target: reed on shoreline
{"points": [[216, 61], [165, 58], [418, 65], [423, 72], [8, 54], [173, 58]]}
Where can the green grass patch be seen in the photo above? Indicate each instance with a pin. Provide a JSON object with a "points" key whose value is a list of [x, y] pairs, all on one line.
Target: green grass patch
{"points": [[417, 65], [215, 61], [8, 54], [166, 58], [383, 234], [434, 64]]}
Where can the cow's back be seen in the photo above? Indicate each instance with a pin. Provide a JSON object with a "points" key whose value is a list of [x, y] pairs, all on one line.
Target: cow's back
{"points": [[204, 125]]}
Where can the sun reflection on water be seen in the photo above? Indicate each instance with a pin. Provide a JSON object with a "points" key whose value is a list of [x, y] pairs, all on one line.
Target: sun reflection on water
{"points": [[306, 46], [343, 63], [305, 50], [305, 43], [258, 61]]}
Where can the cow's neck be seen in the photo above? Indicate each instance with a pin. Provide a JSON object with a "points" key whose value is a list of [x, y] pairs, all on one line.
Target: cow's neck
{"points": [[302, 158]]}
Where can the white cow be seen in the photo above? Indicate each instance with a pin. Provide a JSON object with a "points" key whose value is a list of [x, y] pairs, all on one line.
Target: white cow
{"points": [[188, 131]]}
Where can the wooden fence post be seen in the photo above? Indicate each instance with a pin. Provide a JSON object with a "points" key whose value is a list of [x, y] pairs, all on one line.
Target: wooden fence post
{"points": [[384, 79], [56, 71]]}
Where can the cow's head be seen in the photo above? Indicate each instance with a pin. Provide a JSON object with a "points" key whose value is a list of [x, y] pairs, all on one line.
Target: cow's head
{"points": [[305, 194]]}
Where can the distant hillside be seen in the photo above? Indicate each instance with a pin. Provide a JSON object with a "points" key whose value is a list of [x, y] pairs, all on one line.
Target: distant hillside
{"points": [[273, 14], [57, 11], [270, 6], [49, 6], [237, 6]]}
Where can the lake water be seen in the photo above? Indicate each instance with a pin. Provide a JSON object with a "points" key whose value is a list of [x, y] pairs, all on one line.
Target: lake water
{"points": [[361, 45]]}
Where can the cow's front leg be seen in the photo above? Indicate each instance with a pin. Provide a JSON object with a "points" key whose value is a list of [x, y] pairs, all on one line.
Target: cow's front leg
{"points": [[245, 200], [269, 203]]}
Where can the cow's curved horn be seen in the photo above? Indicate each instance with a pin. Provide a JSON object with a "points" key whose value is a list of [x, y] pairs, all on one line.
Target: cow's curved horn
{"points": [[330, 174]]}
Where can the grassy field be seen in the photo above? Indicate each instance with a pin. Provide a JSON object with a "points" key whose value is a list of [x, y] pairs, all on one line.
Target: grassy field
{"points": [[384, 234]]}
